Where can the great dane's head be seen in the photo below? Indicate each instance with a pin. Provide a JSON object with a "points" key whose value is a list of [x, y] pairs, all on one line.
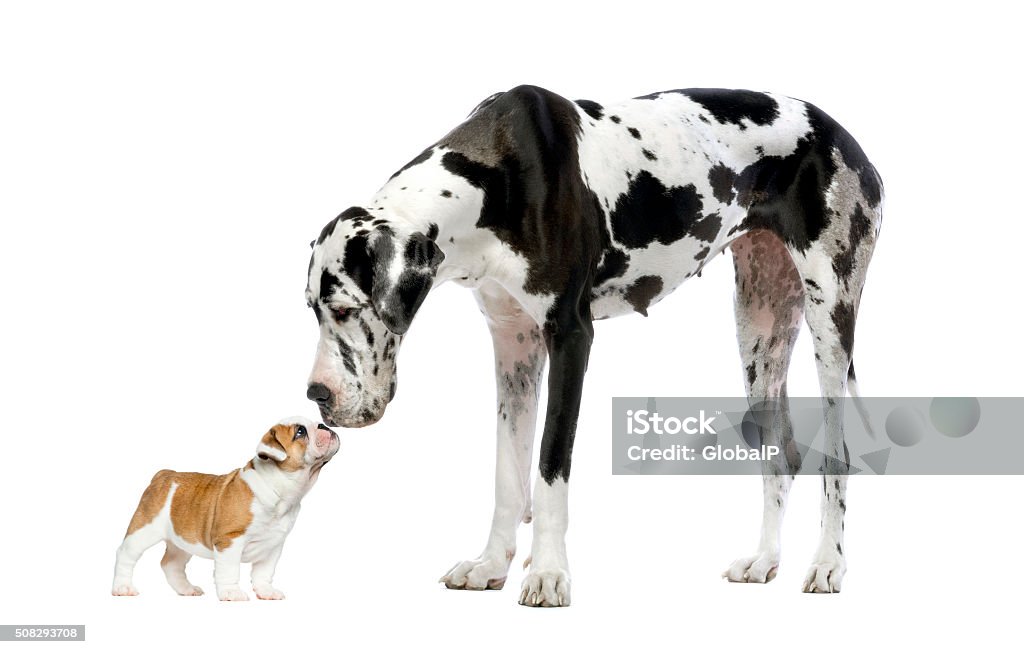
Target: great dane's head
{"points": [[367, 277]]}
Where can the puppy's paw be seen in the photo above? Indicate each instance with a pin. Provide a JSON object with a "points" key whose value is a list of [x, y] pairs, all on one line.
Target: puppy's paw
{"points": [[124, 590], [232, 594], [826, 574], [757, 569], [267, 592], [546, 587], [484, 573], [194, 591]]}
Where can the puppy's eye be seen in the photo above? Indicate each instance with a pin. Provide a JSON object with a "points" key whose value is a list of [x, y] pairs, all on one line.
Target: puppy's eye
{"points": [[341, 314], [300, 432]]}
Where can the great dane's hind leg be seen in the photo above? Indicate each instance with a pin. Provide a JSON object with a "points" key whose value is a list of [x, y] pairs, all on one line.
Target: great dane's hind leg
{"points": [[769, 306], [519, 357], [568, 334], [833, 270]]}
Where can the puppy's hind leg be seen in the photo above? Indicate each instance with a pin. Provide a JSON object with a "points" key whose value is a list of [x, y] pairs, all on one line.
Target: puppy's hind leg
{"points": [[128, 554], [173, 564], [769, 309], [148, 527]]}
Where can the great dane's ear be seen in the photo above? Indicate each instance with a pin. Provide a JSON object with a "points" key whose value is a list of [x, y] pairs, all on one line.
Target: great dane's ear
{"points": [[396, 300]]}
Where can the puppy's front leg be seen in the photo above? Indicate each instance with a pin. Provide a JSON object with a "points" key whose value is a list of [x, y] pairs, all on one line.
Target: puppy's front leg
{"points": [[263, 575], [226, 563]]}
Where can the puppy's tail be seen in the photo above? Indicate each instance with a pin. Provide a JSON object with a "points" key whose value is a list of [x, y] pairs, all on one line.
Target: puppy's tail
{"points": [[851, 385]]}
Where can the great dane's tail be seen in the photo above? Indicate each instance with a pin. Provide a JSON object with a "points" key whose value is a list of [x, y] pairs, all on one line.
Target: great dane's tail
{"points": [[851, 386]]}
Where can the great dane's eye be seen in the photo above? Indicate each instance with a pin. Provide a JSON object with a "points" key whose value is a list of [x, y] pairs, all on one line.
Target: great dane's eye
{"points": [[300, 432], [341, 314]]}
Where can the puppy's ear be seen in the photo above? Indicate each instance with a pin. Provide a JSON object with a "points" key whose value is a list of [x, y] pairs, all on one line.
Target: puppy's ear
{"points": [[269, 452], [396, 299], [270, 447]]}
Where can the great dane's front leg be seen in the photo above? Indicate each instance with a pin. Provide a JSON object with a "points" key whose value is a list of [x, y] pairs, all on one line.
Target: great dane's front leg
{"points": [[519, 356], [568, 339]]}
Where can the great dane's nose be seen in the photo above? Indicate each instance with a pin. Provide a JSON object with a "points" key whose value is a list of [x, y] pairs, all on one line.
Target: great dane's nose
{"points": [[319, 393]]}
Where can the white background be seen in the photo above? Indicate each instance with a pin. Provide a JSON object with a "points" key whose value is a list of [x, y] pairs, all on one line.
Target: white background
{"points": [[162, 171]]}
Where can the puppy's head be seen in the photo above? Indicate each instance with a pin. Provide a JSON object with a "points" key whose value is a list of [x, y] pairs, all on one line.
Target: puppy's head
{"points": [[297, 444], [367, 278]]}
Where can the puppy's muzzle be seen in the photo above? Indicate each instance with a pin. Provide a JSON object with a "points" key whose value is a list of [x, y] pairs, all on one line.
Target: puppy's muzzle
{"points": [[325, 435], [327, 429]]}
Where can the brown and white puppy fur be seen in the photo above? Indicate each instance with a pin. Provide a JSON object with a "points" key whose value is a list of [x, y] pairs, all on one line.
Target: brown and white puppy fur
{"points": [[244, 515]]}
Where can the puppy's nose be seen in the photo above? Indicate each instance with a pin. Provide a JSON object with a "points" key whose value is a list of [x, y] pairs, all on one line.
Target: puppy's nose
{"points": [[318, 393], [326, 429]]}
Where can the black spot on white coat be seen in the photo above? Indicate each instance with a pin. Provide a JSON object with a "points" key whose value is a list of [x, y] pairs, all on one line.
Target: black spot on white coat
{"points": [[641, 292], [733, 106], [650, 212], [593, 109]]}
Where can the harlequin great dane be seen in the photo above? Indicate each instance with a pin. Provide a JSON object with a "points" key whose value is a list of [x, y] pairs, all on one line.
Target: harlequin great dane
{"points": [[558, 213]]}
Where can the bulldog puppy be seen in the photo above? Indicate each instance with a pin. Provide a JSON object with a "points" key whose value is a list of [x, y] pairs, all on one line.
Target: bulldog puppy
{"points": [[244, 515]]}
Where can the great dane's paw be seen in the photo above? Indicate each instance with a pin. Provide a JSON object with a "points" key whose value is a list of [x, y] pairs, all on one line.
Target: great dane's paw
{"points": [[546, 588], [484, 573], [232, 594], [267, 592], [826, 574], [124, 590], [192, 591], [757, 569]]}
